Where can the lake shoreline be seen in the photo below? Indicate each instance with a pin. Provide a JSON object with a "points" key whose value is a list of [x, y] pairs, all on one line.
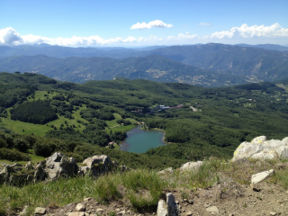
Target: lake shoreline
{"points": [[141, 140]]}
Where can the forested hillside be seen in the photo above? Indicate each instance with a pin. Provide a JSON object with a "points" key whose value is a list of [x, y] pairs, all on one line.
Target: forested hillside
{"points": [[48, 115]]}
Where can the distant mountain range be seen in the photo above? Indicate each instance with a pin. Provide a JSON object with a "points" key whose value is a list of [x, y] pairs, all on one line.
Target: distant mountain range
{"points": [[203, 64]]}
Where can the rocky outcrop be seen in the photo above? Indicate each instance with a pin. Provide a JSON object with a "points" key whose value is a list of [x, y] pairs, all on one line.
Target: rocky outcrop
{"points": [[191, 166], [262, 149], [58, 165], [97, 165], [166, 171], [15, 174], [167, 206], [54, 167]]}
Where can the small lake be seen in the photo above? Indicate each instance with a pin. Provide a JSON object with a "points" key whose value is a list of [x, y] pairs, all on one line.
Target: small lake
{"points": [[140, 141]]}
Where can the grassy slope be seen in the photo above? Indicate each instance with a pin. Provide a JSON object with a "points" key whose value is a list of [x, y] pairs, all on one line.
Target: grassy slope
{"points": [[126, 186], [26, 128]]}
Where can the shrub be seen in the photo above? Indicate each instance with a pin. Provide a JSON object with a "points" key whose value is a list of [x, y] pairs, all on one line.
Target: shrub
{"points": [[3, 142], [106, 189], [13, 155], [37, 112], [118, 136], [44, 149], [21, 144], [145, 188], [281, 177]]}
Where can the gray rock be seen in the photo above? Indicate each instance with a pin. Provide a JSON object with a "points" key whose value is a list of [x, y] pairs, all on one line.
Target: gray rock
{"points": [[172, 206], [39, 211], [213, 210], [99, 210], [29, 166], [168, 170], [191, 166], [40, 174], [97, 165], [262, 149], [24, 211], [16, 175], [162, 209], [256, 178], [167, 207], [58, 165], [80, 207], [56, 157], [76, 214]]}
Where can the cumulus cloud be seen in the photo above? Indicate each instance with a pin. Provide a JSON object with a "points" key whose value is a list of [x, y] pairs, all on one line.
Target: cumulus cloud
{"points": [[9, 36], [152, 24], [245, 31]]}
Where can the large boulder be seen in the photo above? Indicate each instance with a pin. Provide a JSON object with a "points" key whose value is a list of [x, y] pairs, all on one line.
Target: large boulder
{"points": [[97, 165], [191, 166], [59, 165], [40, 173], [16, 174], [262, 149]]}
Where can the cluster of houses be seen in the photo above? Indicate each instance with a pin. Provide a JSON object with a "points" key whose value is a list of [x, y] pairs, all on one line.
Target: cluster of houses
{"points": [[164, 107]]}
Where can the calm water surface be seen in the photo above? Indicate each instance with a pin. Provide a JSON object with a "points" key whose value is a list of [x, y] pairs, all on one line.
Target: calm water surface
{"points": [[140, 141]]}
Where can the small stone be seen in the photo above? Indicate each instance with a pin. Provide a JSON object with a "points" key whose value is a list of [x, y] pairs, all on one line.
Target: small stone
{"points": [[87, 199], [122, 212], [162, 208], [206, 205], [80, 207], [76, 214], [191, 202], [273, 213], [189, 213], [256, 178], [24, 211], [99, 210], [213, 210], [39, 211]]}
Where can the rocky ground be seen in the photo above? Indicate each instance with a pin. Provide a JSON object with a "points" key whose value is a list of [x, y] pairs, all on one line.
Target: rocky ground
{"points": [[227, 198], [242, 188]]}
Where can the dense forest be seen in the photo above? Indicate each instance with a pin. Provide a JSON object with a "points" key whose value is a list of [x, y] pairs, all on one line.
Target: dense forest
{"points": [[40, 115]]}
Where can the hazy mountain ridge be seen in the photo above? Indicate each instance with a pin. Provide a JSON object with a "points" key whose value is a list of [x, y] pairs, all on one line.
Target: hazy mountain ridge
{"points": [[206, 65]]}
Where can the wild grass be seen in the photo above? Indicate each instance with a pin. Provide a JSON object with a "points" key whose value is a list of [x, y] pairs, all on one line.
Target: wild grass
{"points": [[26, 128], [141, 188], [144, 189], [104, 189], [281, 177], [205, 177]]}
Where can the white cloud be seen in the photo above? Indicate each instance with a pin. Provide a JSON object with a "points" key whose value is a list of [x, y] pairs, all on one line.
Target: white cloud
{"points": [[245, 31], [9, 36], [152, 24], [254, 34]]}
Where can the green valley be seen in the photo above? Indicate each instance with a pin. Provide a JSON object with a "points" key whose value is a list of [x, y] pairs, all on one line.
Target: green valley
{"points": [[198, 122]]}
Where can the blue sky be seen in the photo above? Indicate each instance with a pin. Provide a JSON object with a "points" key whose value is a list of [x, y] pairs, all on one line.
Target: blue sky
{"points": [[160, 22]]}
